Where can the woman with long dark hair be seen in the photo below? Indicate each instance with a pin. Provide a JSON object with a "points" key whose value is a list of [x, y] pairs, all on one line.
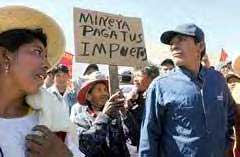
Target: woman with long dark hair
{"points": [[30, 43]]}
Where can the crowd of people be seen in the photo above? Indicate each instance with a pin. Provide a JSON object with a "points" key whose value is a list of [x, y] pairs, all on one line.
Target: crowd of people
{"points": [[183, 108]]}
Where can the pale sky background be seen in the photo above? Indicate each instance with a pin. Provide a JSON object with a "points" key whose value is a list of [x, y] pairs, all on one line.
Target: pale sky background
{"points": [[220, 20]]}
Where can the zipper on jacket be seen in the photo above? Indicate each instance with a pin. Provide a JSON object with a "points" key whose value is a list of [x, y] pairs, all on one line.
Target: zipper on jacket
{"points": [[204, 111]]}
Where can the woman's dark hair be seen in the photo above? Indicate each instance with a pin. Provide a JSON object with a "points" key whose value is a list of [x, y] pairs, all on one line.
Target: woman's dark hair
{"points": [[13, 39], [151, 71], [91, 66], [167, 62], [88, 104]]}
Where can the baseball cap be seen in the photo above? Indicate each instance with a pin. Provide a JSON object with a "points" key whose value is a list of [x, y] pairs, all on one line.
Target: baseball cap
{"points": [[184, 29], [61, 68]]}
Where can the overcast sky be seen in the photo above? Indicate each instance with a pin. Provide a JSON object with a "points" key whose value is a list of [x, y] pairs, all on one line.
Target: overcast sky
{"points": [[220, 19]]}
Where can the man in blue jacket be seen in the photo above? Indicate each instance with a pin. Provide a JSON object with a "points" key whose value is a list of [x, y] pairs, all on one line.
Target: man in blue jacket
{"points": [[189, 111]]}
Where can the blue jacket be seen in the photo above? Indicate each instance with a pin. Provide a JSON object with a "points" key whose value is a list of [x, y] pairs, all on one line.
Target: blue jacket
{"points": [[187, 116]]}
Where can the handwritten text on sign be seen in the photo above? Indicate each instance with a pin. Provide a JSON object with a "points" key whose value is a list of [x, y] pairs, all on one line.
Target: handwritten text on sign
{"points": [[108, 39]]}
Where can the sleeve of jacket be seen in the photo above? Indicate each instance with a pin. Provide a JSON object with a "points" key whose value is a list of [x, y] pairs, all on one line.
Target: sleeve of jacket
{"points": [[130, 128], [151, 128], [90, 137]]}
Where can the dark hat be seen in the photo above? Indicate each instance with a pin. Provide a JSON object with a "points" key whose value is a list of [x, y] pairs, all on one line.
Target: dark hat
{"points": [[60, 68], [185, 29], [91, 66], [125, 72]]}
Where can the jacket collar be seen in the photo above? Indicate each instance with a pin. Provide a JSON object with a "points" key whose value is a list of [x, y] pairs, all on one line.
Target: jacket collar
{"points": [[200, 76]]}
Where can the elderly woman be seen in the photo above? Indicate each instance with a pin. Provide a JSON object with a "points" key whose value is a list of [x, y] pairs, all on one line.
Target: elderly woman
{"points": [[28, 38], [102, 130]]}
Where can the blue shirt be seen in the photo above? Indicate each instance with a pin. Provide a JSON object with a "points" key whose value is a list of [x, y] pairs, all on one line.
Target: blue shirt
{"points": [[187, 116]]}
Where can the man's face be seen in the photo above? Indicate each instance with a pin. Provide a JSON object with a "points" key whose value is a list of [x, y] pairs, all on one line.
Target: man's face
{"points": [[61, 79], [185, 51], [141, 81], [166, 68]]}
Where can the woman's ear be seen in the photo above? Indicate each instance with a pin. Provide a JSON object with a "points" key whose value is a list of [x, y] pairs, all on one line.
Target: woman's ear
{"points": [[5, 59], [5, 55]]}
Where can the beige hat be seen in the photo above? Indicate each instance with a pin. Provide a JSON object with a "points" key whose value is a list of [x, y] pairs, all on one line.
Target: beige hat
{"points": [[17, 17], [236, 65], [230, 75]]}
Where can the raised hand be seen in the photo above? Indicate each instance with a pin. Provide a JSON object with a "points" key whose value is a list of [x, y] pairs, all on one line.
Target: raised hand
{"points": [[114, 104], [45, 143]]}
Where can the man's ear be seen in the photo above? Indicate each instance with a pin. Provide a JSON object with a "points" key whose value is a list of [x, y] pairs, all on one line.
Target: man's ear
{"points": [[202, 46]]}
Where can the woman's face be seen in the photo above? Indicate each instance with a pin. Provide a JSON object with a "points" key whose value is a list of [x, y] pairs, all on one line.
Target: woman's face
{"points": [[28, 67], [99, 95]]}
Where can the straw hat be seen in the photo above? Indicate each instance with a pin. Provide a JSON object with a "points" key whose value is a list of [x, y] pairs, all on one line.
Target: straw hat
{"points": [[230, 75], [236, 65], [92, 79], [236, 93], [18, 17]]}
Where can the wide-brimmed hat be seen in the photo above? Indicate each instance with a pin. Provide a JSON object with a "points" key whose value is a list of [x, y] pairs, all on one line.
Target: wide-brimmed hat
{"points": [[236, 65], [231, 75], [91, 80], [21, 17]]}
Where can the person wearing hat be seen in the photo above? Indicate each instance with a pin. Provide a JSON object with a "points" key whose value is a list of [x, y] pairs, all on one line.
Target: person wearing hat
{"points": [[189, 111], [166, 66], [100, 129], [232, 78], [225, 68], [71, 95], [125, 80], [90, 68], [60, 82], [234, 83], [30, 43]]}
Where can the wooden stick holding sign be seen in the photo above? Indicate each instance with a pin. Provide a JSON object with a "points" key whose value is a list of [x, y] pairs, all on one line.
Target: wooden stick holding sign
{"points": [[113, 79], [103, 38]]}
